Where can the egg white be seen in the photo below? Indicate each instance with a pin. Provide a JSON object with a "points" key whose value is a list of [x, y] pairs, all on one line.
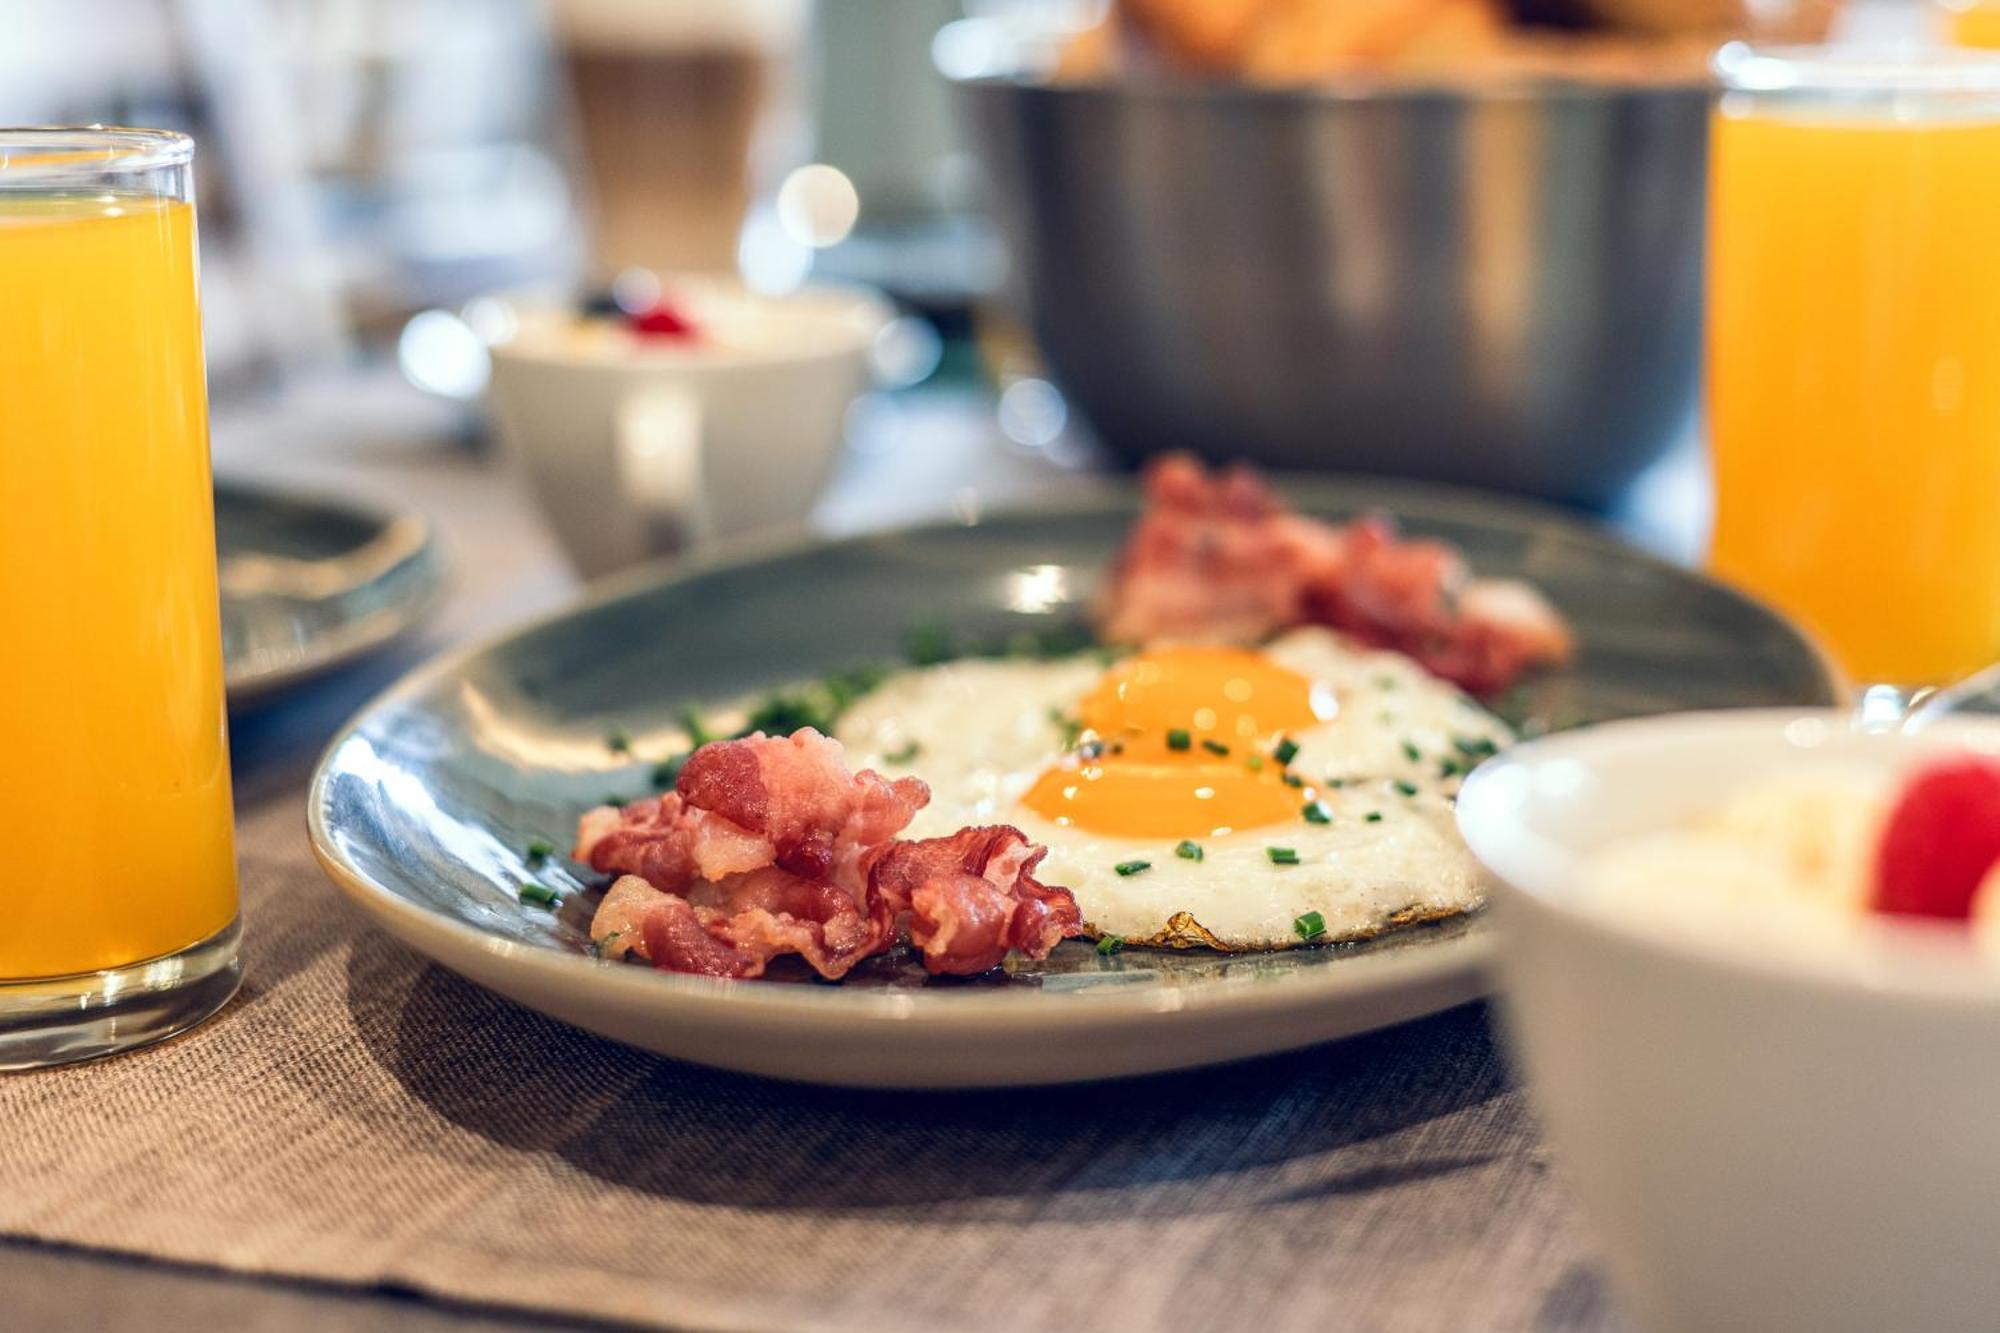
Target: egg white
{"points": [[984, 730]]}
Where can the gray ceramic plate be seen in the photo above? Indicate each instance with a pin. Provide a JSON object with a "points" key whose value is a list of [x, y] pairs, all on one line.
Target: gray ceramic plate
{"points": [[422, 807], [309, 585]]}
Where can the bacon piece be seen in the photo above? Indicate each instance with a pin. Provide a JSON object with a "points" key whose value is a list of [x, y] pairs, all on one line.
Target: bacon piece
{"points": [[618, 927], [798, 794], [973, 896], [649, 839], [679, 940], [770, 847], [1506, 629], [772, 911], [742, 805], [1209, 558], [1218, 557], [736, 926]]}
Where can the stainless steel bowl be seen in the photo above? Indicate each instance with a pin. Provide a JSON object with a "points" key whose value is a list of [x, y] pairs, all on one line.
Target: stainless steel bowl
{"points": [[1498, 287]]}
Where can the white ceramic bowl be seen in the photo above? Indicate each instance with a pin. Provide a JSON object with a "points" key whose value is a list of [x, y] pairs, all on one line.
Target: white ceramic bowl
{"points": [[641, 449], [1763, 1139]]}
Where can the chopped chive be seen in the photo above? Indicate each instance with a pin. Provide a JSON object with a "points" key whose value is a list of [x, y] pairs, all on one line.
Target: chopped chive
{"points": [[1255, 763], [697, 730], [784, 712], [1285, 751], [541, 849], [1336, 783], [1109, 944], [1188, 850], [1310, 926], [1407, 788], [1449, 768], [539, 894], [1130, 868], [1214, 747], [668, 771], [599, 948], [1385, 682], [1178, 739], [613, 798], [1024, 643], [927, 643], [905, 754], [845, 686], [1282, 856], [1475, 747], [1317, 813], [1294, 780], [618, 741], [1072, 729], [1412, 753], [1373, 817]]}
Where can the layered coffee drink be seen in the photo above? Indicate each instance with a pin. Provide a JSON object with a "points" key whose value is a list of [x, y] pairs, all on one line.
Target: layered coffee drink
{"points": [[669, 98]]}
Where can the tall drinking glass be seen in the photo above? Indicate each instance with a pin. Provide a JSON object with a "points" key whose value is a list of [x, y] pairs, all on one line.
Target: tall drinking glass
{"points": [[120, 919], [1854, 351], [1972, 22]]}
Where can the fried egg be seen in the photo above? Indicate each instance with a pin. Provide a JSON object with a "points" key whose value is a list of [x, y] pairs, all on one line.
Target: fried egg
{"points": [[1235, 798]]}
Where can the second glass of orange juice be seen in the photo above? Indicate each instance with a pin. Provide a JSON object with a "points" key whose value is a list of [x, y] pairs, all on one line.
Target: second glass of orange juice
{"points": [[1854, 352], [1972, 22], [114, 794]]}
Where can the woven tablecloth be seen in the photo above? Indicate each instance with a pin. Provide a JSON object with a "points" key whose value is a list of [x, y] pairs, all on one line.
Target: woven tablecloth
{"points": [[361, 1116]]}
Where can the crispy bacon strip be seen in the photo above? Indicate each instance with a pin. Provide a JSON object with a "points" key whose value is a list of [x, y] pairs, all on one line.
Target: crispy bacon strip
{"points": [[742, 805], [769, 846], [798, 794], [973, 897], [1210, 558], [1218, 557]]}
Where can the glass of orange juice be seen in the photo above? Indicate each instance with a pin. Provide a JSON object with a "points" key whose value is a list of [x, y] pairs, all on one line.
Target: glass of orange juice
{"points": [[1972, 22], [1854, 351], [121, 925]]}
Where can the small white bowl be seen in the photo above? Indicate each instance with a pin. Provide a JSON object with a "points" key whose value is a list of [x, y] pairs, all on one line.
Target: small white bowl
{"points": [[1764, 1138], [637, 448]]}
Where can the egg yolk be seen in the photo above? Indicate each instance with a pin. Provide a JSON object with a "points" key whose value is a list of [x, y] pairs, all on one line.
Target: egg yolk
{"points": [[1177, 743]]}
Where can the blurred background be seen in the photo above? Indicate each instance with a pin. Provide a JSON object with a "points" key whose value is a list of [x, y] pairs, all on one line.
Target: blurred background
{"points": [[1109, 238]]}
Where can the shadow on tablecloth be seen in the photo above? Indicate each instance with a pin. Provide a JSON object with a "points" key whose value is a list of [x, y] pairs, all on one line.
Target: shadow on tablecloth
{"points": [[709, 1137]]}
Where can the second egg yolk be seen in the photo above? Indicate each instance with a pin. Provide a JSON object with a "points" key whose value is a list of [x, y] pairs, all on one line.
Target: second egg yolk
{"points": [[1177, 743]]}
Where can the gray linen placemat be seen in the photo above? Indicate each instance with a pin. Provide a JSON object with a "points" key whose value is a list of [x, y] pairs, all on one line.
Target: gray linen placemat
{"points": [[361, 1116]]}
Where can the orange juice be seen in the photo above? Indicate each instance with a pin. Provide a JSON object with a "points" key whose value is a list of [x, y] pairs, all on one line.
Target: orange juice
{"points": [[114, 768], [1974, 23], [1854, 382]]}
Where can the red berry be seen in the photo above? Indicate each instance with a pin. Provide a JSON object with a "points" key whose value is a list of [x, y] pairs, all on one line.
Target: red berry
{"points": [[1941, 840], [661, 320]]}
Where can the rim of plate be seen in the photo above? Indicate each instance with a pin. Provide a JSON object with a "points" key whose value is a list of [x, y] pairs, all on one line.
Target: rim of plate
{"points": [[1250, 993], [406, 535]]}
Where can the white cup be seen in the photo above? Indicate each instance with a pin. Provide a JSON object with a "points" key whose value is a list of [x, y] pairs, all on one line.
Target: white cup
{"points": [[1765, 1137], [641, 447]]}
